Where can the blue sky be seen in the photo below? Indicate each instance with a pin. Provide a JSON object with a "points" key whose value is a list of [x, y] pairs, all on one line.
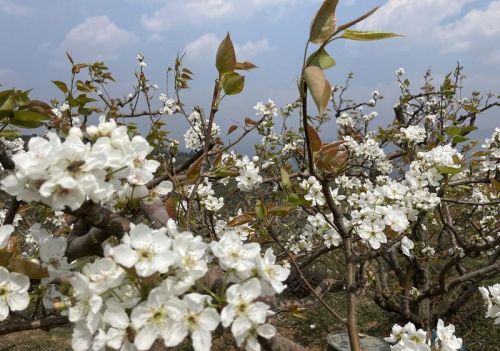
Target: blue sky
{"points": [[271, 33]]}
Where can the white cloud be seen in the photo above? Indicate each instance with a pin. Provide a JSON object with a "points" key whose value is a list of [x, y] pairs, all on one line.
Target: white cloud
{"points": [[155, 38], [192, 12], [251, 49], [14, 9], [416, 19], [477, 28], [97, 38], [446, 25], [206, 46], [493, 58]]}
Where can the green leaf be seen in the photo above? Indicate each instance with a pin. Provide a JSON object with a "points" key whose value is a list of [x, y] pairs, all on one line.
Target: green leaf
{"points": [[28, 119], [449, 170], [324, 23], [298, 200], [468, 129], [453, 131], [320, 88], [61, 85], [8, 103], [226, 57], [233, 83], [260, 210], [321, 59], [471, 108], [481, 153], [367, 35], [8, 133], [282, 211], [245, 66], [4, 96], [84, 87], [459, 139], [285, 179]]}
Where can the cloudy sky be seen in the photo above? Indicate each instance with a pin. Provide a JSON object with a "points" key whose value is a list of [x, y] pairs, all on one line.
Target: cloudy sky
{"points": [[271, 33]]}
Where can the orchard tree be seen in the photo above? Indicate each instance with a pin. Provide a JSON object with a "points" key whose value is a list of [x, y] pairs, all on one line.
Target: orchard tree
{"points": [[114, 233]]}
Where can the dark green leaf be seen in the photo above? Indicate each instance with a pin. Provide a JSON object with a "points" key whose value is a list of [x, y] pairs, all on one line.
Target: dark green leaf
{"points": [[61, 85], [321, 59], [233, 83], [28, 119]]}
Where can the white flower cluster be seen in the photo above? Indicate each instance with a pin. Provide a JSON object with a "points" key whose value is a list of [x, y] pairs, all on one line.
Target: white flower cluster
{"points": [[441, 155], [249, 174], [318, 225], [12, 146], [491, 296], [66, 173], [408, 338], [58, 111], [290, 147], [492, 161], [144, 290], [207, 198], [241, 231], [195, 135], [266, 109], [313, 190], [391, 205], [423, 172], [346, 120], [170, 106], [368, 150], [412, 134]]}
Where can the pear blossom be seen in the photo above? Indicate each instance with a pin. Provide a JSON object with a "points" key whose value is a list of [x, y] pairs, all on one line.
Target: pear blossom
{"points": [[491, 296], [249, 174], [145, 249], [373, 232], [13, 292], [272, 275], [151, 319], [83, 339], [118, 321], [250, 337], [103, 274], [191, 251], [408, 338], [87, 308], [241, 311], [233, 254], [266, 109], [314, 191], [447, 340], [52, 254], [190, 316], [406, 246], [413, 134], [5, 232]]}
